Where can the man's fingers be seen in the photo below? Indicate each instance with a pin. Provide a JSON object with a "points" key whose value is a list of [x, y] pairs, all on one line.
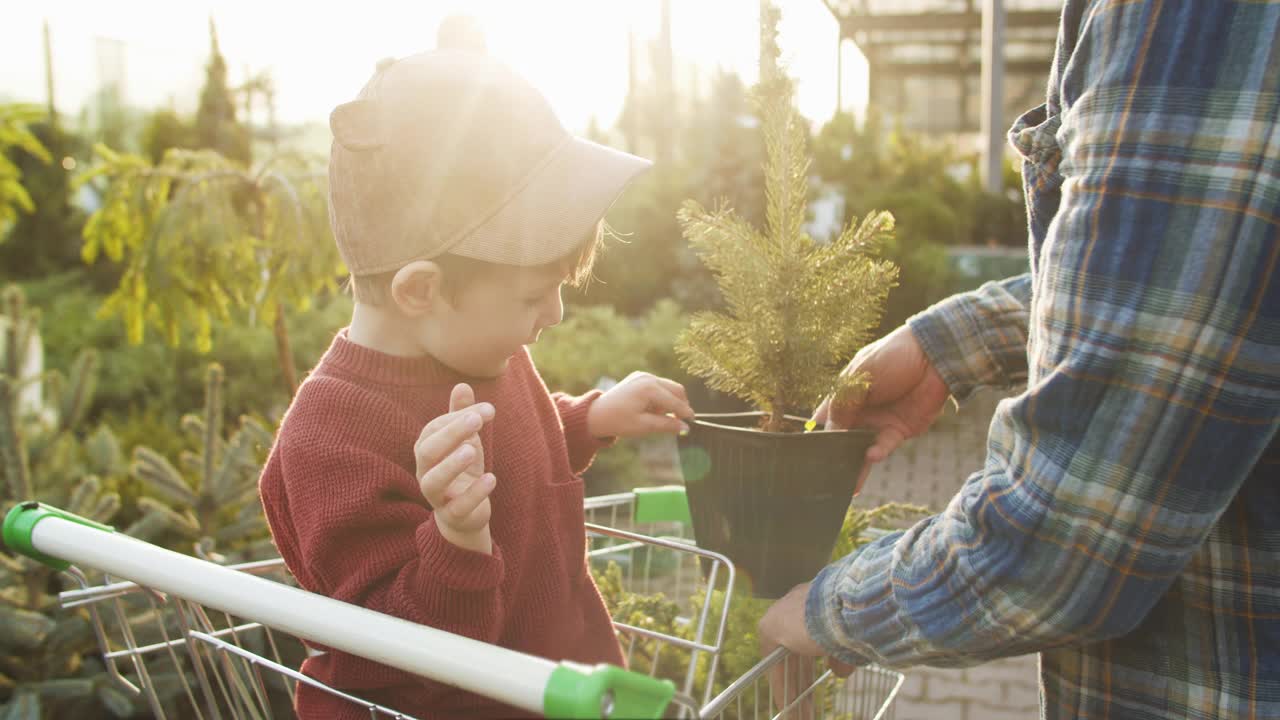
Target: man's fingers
{"points": [[820, 415], [777, 685], [461, 397], [441, 474], [841, 416], [887, 440], [862, 477], [804, 676], [839, 669], [788, 679]]}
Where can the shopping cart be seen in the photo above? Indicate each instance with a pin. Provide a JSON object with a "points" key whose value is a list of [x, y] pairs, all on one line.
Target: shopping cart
{"points": [[194, 638]]}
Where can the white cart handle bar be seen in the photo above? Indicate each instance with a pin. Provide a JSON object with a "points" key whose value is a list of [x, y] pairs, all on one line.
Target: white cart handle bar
{"points": [[562, 690]]}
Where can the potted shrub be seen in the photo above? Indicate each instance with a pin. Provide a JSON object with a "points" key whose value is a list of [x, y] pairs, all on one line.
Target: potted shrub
{"points": [[763, 489]]}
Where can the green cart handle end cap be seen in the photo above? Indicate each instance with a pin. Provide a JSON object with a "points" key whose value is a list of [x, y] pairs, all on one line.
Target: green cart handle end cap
{"points": [[579, 692], [21, 521]]}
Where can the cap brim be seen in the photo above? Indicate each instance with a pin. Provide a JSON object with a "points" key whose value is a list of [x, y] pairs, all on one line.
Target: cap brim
{"points": [[552, 213]]}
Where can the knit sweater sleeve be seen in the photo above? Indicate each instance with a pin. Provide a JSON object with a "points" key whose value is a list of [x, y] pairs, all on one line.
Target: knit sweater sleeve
{"points": [[573, 416], [367, 537]]}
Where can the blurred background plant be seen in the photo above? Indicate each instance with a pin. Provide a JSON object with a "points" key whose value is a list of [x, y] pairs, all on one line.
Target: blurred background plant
{"points": [[213, 500], [674, 616], [199, 237], [49, 666]]}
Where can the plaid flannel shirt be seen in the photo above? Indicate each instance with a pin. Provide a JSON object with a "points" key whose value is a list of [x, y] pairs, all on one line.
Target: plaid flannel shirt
{"points": [[1126, 524]]}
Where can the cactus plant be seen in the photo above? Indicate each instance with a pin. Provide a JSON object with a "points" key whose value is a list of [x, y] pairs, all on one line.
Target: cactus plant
{"points": [[213, 499], [47, 664]]}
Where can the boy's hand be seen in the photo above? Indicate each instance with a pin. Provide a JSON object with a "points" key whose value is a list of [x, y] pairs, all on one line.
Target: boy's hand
{"points": [[639, 405], [451, 472]]}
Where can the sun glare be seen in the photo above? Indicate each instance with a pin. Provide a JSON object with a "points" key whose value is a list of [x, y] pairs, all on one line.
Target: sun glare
{"points": [[576, 51]]}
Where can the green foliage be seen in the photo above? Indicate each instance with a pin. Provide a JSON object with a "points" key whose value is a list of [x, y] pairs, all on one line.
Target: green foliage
{"points": [[47, 666], [741, 649], [144, 389], [596, 342], [163, 130], [213, 500], [46, 240], [200, 236], [15, 132], [854, 532], [185, 254], [796, 309], [933, 193], [726, 149], [648, 260], [654, 613], [71, 323]]}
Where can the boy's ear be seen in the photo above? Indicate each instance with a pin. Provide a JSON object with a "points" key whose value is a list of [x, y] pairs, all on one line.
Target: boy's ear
{"points": [[417, 288]]}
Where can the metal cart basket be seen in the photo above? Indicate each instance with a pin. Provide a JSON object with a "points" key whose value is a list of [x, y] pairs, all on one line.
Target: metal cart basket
{"points": [[194, 638]]}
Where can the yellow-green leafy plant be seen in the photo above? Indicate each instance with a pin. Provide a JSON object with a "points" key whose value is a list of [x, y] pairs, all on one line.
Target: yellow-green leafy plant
{"points": [[200, 235], [796, 308], [15, 132]]}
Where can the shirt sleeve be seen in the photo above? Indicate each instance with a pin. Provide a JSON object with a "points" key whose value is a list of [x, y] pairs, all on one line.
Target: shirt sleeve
{"points": [[978, 339], [376, 544], [573, 416], [1153, 370]]}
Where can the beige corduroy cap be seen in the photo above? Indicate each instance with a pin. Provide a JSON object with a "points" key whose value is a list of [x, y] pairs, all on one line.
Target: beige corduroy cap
{"points": [[452, 151]]}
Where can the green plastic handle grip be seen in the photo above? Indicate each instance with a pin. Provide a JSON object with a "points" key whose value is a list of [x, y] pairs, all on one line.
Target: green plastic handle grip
{"points": [[604, 691], [22, 519]]}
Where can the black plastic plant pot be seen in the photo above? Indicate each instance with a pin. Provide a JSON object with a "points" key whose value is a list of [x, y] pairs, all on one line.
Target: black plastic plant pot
{"points": [[773, 502]]}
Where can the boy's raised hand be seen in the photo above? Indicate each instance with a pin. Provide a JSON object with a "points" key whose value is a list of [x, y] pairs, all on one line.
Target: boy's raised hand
{"points": [[450, 460], [641, 404]]}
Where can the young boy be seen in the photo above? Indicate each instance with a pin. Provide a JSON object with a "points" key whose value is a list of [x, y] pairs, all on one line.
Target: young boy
{"points": [[424, 470]]}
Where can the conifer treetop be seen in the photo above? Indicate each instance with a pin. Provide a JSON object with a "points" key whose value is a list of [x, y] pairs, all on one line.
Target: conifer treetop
{"points": [[795, 309]]}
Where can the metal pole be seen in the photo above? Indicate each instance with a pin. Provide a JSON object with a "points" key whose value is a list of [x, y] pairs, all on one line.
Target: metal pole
{"points": [[992, 121], [839, 73], [48, 76]]}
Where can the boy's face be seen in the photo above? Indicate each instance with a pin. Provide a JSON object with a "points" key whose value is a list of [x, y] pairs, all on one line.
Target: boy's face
{"points": [[488, 320]]}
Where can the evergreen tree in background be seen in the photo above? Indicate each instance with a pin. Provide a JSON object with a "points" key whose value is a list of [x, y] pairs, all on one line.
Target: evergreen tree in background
{"points": [[46, 240], [216, 124], [39, 223], [165, 129], [727, 148]]}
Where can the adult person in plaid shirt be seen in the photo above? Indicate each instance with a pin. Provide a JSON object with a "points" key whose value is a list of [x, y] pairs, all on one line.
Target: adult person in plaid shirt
{"points": [[1126, 523]]}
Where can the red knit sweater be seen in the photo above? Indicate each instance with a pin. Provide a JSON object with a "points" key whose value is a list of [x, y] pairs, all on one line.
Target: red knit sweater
{"points": [[343, 504]]}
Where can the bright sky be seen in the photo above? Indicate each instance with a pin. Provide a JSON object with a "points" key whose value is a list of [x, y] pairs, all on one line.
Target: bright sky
{"points": [[575, 51]]}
